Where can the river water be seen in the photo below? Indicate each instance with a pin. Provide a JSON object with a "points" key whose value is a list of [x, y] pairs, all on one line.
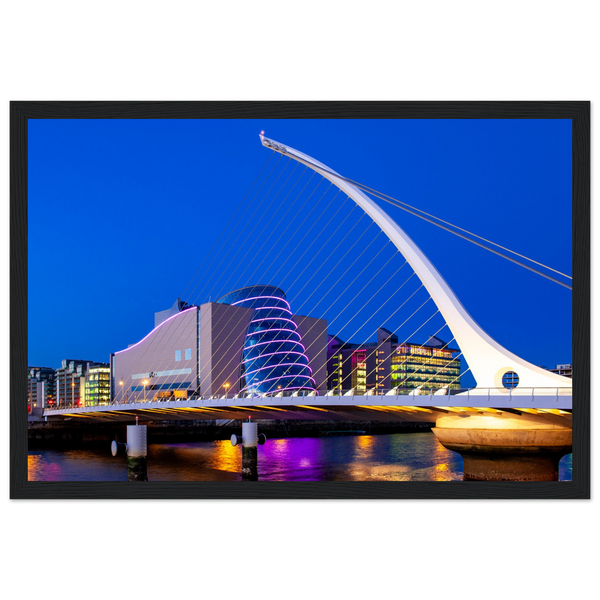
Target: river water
{"points": [[389, 457]]}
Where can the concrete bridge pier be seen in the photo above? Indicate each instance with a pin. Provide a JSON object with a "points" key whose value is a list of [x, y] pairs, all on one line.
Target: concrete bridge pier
{"points": [[249, 440], [137, 452], [505, 447]]}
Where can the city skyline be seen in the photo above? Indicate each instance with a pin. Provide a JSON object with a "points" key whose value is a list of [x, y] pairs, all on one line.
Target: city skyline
{"points": [[119, 200]]}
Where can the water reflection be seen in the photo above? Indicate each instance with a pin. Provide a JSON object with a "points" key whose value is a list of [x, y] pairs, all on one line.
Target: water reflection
{"points": [[206, 461], [398, 457], [74, 465], [394, 457]]}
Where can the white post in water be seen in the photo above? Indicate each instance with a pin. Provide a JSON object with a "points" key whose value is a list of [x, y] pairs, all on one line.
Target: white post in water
{"points": [[249, 440], [137, 451]]}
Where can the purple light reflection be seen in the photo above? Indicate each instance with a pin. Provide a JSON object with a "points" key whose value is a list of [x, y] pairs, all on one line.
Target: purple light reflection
{"points": [[301, 456]]}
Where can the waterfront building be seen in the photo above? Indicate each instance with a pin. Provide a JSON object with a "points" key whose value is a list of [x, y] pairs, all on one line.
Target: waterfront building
{"points": [[40, 389], [164, 363], [70, 380], [163, 315], [96, 391], [566, 370], [348, 364], [273, 355], [247, 343], [387, 364]]}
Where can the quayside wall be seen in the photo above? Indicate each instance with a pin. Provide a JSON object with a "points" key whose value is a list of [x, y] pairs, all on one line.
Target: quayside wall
{"points": [[69, 435]]}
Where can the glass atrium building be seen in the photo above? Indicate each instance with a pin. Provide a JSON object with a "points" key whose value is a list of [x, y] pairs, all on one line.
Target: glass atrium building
{"points": [[273, 357]]}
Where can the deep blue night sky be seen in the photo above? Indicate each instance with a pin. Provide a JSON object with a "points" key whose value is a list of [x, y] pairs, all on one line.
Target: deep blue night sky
{"points": [[123, 213]]}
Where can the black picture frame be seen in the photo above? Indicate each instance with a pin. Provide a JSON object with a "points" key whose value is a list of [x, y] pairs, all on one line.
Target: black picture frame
{"points": [[580, 491]]}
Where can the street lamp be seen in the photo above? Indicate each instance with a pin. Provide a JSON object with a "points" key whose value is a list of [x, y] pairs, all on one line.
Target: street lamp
{"points": [[121, 384], [226, 386], [72, 393], [145, 382]]}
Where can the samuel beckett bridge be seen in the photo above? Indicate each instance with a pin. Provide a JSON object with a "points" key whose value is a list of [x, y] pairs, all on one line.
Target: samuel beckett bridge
{"points": [[514, 424]]}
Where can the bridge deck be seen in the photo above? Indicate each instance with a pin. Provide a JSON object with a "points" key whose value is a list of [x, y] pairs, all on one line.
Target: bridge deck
{"points": [[418, 408]]}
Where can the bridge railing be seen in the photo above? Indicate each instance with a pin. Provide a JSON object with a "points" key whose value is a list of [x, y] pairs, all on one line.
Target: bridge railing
{"points": [[304, 395]]}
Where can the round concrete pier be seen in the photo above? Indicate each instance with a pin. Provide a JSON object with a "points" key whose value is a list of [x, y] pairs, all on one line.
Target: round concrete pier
{"points": [[506, 447]]}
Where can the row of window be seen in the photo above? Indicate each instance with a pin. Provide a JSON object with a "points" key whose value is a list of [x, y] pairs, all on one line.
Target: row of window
{"points": [[424, 351], [425, 377], [188, 354], [162, 386], [398, 360], [425, 369], [168, 373]]}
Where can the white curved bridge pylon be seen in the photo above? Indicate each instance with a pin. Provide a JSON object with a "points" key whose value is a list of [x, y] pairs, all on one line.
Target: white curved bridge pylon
{"points": [[487, 359]]}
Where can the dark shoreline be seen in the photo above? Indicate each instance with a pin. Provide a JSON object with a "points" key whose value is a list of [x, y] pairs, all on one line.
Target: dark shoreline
{"points": [[48, 435]]}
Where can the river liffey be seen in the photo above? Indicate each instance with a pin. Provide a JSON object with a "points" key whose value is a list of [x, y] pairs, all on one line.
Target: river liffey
{"points": [[388, 457]]}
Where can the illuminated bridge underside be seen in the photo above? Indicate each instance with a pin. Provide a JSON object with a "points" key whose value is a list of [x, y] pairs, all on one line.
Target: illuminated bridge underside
{"points": [[552, 408]]}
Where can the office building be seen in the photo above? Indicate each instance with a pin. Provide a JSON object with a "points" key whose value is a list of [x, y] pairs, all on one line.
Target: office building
{"points": [[96, 391], [40, 389], [566, 370], [387, 364], [71, 379]]}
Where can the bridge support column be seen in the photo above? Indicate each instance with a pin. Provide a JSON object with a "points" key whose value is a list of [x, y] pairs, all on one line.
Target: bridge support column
{"points": [[137, 452], [506, 447], [249, 440]]}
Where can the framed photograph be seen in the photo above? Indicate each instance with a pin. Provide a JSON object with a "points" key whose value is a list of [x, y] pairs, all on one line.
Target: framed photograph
{"points": [[304, 300]]}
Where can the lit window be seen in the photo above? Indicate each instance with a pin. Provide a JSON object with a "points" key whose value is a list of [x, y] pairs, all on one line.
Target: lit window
{"points": [[177, 355], [188, 354]]}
